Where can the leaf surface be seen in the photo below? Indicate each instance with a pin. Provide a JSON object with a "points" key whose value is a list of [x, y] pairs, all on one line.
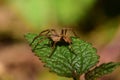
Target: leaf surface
{"points": [[101, 70], [69, 61]]}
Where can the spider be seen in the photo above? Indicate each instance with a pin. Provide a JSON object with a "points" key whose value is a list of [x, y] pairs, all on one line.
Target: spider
{"points": [[57, 39]]}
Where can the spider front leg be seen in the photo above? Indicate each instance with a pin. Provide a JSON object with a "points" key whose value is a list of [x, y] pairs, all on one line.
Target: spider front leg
{"points": [[38, 43], [53, 49], [51, 31], [47, 32]]}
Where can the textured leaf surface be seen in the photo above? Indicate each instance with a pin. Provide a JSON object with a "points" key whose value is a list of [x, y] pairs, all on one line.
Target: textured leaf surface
{"points": [[69, 61], [43, 49], [101, 70]]}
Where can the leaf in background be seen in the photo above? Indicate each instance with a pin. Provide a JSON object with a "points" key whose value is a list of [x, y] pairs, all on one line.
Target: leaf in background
{"points": [[68, 61], [42, 12], [101, 70], [35, 12], [70, 11]]}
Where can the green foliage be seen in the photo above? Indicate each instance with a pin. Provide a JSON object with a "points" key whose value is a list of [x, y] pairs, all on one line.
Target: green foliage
{"points": [[101, 70], [41, 12], [70, 61]]}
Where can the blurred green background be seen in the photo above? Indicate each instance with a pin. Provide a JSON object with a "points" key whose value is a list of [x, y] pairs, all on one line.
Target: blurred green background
{"points": [[96, 21]]}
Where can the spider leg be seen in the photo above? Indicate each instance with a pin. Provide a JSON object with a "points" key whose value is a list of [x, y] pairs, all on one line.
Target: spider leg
{"points": [[48, 31], [70, 29], [65, 31], [74, 33], [62, 32], [38, 43], [53, 49], [64, 36], [68, 39], [53, 30]]}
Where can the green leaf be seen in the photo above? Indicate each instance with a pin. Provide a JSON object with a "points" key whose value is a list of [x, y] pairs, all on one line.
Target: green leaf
{"points": [[41, 12], [69, 61], [101, 70], [42, 50]]}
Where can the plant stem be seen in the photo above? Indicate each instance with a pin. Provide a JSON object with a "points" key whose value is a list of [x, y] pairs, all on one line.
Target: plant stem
{"points": [[75, 75]]}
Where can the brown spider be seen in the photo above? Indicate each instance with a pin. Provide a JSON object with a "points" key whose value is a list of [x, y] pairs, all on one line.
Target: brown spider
{"points": [[57, 39]]}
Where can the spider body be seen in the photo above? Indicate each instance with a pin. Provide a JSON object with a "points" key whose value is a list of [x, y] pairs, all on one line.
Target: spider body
{"points": [[56, 39], [61, 41]]}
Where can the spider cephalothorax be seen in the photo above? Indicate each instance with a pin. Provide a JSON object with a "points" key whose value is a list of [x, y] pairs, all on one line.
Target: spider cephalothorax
{"points": [[56, 39]]}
